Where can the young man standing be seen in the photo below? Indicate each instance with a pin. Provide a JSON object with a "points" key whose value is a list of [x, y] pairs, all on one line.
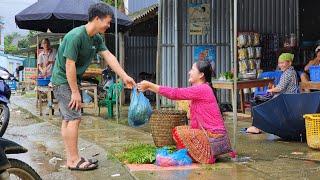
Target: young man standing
{"points": [[75, 53]]}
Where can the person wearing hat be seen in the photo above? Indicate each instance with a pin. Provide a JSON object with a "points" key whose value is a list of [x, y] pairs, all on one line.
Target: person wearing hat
{"points": [[288, 82], [305, 77]]}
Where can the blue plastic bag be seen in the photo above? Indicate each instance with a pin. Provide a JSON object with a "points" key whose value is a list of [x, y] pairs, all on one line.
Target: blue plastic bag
{"points": [[140, 109], [178, 158], [86, 97]]}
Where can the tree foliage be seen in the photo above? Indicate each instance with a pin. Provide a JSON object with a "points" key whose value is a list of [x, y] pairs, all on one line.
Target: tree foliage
{"points": [[10, 48]]}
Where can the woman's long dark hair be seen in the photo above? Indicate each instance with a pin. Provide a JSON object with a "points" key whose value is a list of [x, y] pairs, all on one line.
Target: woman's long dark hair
{"points": [[206, 68]]}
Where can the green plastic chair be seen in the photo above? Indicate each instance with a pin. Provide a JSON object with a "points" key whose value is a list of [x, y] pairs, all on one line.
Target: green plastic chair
{"points": [[111, 98]]}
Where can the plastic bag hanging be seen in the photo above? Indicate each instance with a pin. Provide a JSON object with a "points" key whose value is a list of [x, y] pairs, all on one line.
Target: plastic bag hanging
{"points": [[140, 109]]}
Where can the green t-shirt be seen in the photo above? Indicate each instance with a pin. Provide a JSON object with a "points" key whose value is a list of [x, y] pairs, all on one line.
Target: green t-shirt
{"points": [[77, 46]]}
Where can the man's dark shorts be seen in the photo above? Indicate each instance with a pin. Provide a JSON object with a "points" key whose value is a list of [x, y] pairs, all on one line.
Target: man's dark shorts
{"points": [[63, 94]]}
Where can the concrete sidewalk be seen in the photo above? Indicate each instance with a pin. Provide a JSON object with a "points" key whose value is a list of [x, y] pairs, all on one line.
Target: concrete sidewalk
{"points": [[260, 156]]}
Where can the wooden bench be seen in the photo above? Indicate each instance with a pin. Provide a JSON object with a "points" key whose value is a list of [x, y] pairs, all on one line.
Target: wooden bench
{"points": [[47, 91]]}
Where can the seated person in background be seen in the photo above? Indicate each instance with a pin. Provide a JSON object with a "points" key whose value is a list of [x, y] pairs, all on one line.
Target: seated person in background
{"points": [[288, 82], [46, 59], [305, 77]]}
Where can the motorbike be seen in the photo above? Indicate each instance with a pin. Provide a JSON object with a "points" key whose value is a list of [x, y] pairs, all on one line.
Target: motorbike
{"points": [[11, 168], [5, 94]]}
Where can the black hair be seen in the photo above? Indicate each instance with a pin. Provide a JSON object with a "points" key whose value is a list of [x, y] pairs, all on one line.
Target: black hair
{"points": [[206, 68], [100, 10]]}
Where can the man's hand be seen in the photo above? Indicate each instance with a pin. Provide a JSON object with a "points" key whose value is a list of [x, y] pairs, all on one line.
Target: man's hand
{"points": [[129, 82], [75, 102]]}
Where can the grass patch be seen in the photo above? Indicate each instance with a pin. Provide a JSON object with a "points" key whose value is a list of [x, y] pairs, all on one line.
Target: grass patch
{"points": [[139, 154]]}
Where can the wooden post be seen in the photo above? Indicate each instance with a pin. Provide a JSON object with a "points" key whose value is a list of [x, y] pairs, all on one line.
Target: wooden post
{"points": [[158, 60], [116, 48], [121, 59], [37, 72]]}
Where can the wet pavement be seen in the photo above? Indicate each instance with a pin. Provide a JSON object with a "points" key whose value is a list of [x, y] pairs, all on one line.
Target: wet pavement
{"points": [[261, 156], [46, 153]]}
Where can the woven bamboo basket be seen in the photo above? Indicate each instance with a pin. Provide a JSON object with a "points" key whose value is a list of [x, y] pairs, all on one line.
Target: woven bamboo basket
{"points": [[162, 123]]}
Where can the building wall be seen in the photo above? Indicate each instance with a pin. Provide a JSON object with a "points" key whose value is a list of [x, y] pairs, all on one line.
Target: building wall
{"points": [[268, 16], [135, 5], [265, 16], [140, 55], [11, 62]]}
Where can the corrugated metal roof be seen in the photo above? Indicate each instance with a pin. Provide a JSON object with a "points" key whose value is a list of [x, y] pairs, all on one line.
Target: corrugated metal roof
{"points": [[143, 12]]}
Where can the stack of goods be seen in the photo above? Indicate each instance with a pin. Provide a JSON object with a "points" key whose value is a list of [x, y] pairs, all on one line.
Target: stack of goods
{"points": [[249, 54]]}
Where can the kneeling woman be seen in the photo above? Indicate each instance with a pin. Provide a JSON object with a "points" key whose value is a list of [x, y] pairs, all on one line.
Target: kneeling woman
{"points": [[205, 117]]}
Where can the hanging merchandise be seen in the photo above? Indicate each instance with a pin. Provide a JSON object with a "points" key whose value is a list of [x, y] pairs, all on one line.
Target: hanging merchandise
{"points": [[243, 66], [258, 52], [251, 52], [243, 54], [242, 40], [258, 64], [252, 64], [256, 39], [250, 39]]}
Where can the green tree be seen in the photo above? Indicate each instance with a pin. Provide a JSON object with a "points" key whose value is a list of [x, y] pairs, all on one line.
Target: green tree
{"points": [[120, 4], [23, 43], [26, 42], [8, 46]]}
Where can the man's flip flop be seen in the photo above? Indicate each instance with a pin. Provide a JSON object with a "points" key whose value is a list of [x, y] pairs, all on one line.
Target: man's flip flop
{"points": [[87, 167], [93, 161]]}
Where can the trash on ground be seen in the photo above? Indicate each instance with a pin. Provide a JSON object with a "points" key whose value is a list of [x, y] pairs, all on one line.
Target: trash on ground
{"points": [[297, 153], [53, 161], [115, 175]]}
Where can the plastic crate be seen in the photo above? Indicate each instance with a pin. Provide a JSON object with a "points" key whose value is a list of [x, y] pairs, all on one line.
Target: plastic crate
{"points": [[314, 73], [312, 122], [43, 81]]}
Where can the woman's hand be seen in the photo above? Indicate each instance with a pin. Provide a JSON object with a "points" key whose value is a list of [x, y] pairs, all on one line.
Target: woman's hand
{"points": [[143, 85]]}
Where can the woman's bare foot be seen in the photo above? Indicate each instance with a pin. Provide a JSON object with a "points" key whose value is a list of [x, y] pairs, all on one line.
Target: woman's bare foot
{"points": [[253, 130]]}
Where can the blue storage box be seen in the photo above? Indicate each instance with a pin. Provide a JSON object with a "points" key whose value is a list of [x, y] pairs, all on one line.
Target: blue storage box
{"points": [[43, 81], [314, 73]]}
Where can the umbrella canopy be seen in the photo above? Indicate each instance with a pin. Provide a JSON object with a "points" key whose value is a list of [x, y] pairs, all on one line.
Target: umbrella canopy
{"points": [[60, 16], [283, 115]]}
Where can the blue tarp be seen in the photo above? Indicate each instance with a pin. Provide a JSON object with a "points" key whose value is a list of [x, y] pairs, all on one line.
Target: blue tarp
{"points": [[283, 115]]}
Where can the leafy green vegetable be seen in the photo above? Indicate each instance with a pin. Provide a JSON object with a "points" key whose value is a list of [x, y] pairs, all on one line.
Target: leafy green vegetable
{"points": [[140, 154]]}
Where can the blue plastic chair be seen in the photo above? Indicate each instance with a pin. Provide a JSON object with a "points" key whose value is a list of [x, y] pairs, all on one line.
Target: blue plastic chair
{"points": [[268, 75]]}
